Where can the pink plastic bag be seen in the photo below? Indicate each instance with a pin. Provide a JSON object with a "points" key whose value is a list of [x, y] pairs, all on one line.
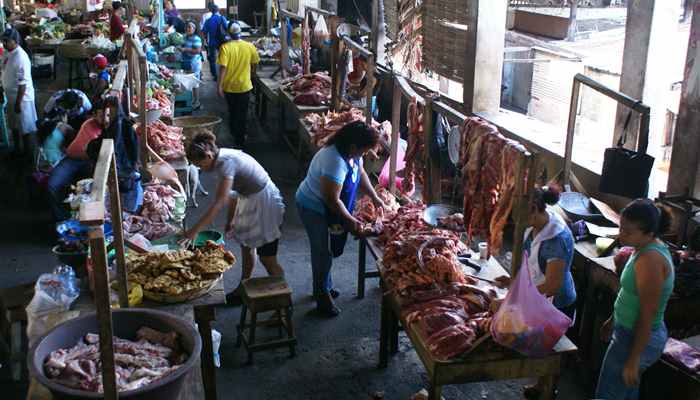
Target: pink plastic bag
{"points": [[526, 321], [400, 165]]}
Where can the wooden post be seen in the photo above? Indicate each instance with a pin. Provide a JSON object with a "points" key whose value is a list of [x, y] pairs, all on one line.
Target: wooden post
{"points": [[370, 89], [374, 35], [98, 254], [268, 16], [284, 61], [575, 91], [519, 215], [143, 72], [306, 53], [395, 135], [335, 59], [116, 212]]}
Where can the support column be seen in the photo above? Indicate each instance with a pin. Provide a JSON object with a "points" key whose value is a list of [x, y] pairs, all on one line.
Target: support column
{"points": [[485, 40], [685, 159], [644, 68]]}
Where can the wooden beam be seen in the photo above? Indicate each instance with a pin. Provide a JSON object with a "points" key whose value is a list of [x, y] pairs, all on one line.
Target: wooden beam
{"points": [[408, 91], [356, 46], [284, 61], [290, 15], [570, 130], [98, 254], [525, 171], [684, 178], [395, 135], [325, 13], [370, 89], [120, 76], [118, 230], [449, 112]]}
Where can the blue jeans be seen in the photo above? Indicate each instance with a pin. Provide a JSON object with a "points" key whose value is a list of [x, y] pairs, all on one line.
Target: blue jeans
{"points": [[62, 176], [211, 57], [611, 385], [321, 261]]}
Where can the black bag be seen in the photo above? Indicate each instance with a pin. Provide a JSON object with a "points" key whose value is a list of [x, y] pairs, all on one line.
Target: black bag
{"points": [[626, 172]]}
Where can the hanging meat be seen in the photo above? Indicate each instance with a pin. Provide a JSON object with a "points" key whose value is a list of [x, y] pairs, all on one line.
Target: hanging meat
{"points": [[415, 154], [324, 126], [306, 46], [167, 141]]}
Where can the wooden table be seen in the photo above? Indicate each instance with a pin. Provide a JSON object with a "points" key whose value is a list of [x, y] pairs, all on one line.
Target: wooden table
{"points": [[200, 310], [487, 362], [266, 89], [375, 249]]}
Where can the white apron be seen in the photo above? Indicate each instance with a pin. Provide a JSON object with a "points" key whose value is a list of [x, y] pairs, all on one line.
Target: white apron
{"points": [[16, 71], [553, 228], [258, 217]]}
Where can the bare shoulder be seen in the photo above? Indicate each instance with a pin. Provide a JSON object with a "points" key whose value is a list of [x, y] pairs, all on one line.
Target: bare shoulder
{"points": [[651, 262]]}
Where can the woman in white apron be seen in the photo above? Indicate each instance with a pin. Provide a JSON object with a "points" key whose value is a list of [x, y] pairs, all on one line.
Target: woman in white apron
{"points": [[549, 247], [255, 205], [19, 89]]}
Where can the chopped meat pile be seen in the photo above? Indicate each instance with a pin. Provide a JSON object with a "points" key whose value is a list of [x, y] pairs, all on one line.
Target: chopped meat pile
{"points": [[415, 154], [448, 309], [324, 127], [372, 216], [138, 363], [167, 141], [166, 106], [311, 90], [454, 222], [158, 202], [488, 161], [134, 224]]}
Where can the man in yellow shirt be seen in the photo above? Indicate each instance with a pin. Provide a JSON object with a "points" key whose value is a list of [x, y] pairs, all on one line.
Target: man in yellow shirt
{"points": [[237, 61]]}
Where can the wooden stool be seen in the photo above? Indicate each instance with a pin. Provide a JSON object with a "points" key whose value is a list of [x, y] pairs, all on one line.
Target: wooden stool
{"points": [[261, 295]]}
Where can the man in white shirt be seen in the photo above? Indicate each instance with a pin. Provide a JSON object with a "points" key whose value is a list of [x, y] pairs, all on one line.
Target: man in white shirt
{"points": [[19, 89]]}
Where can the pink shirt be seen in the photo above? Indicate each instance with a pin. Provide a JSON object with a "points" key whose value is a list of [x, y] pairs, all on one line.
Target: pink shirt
{"points": [[90, 131]]}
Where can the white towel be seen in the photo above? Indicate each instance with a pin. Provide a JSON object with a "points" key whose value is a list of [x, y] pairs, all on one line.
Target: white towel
{"points": [[553, 228]]}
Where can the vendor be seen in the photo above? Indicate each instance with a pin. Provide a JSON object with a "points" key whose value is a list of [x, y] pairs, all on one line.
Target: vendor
{"points": [[76, 163], [325, 201], [192, 58], [637, 324], [71, 103], [215, 30], [19, 89], [237, 62], [116, 26], [103, 78], [170, 9], [255, 205], [549, 247]]}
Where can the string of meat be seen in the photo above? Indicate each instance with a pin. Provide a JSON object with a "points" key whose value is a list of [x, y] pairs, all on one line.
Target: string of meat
{"points": [[415, 153], [487, 161]]}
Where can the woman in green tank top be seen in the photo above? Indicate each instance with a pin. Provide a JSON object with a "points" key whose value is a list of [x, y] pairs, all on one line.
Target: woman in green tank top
{"points": [[638, 331]]}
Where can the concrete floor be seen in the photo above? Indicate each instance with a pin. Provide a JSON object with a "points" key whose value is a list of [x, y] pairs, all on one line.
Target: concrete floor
{"points": [[336, 358]]}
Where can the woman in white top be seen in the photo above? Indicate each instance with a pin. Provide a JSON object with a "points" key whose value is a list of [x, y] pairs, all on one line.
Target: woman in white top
{"points": [[19, 89], [255, 205]]}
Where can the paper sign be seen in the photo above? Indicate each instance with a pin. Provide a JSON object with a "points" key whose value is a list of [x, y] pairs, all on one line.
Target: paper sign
{"points": [[607, 212], [601, 231]]}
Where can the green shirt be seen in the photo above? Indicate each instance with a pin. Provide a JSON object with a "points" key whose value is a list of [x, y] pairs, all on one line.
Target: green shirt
{"points": [[627, 304]]}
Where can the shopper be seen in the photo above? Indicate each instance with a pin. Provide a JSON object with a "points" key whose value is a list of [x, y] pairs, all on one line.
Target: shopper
{"points": [[637, 324], [192, 58], [116, 25], [549, 247], [102, 77], [325, 201], [19, 90], [237, 61], [255, 205], [170, 9], [76, 163], [215, 33]]}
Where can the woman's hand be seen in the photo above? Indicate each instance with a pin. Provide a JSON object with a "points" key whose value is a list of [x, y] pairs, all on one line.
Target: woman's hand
{"points": [[221, 91], [503, 281], [18, 107], [377, 201], [187, 239], [355, 226], [630, 372], [606, 330], [229, 227]]}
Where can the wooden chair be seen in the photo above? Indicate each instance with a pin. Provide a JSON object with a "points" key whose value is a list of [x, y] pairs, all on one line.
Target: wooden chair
{"points": [[263, 295]]}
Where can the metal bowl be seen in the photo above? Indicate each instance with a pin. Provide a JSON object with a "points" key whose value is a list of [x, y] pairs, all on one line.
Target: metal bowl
{"points": [[579, 207], [125, 323], [435, 211]]}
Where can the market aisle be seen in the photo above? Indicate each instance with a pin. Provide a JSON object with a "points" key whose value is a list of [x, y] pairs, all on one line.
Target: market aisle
{"points": [[336, 358]]}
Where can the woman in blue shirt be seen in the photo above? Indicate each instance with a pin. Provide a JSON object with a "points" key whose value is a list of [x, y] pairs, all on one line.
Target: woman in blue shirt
{"points": [[549, 247], [325, 201], [192, 58]]}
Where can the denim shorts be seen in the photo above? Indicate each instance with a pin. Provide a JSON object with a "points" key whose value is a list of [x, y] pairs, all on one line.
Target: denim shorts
{"points": [[611, 385]]}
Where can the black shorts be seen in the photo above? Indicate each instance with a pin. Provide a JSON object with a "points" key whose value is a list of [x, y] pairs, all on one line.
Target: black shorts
{"points": [[268, 249]]}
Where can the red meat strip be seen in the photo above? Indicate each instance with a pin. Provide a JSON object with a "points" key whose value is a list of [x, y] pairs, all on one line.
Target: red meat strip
{"points": [[451, 341]]}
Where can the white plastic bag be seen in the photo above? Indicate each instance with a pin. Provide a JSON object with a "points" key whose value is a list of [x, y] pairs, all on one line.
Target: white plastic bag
{"points": [[320, 34], [187, 81], [49, 306]]}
